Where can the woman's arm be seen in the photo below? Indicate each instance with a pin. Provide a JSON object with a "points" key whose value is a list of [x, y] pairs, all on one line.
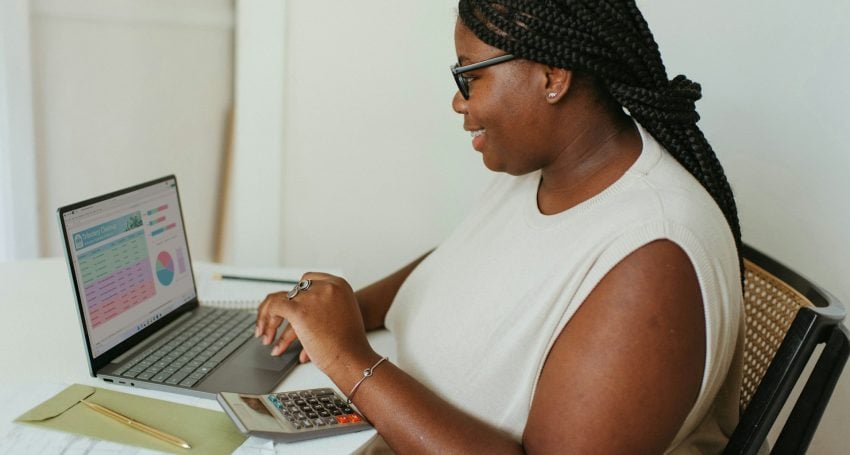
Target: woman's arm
{"points": [[373, 301], [619, 379], [626, 370]]}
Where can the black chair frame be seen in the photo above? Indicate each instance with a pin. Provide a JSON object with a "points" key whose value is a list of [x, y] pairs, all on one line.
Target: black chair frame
{"points": [[811, 327]]}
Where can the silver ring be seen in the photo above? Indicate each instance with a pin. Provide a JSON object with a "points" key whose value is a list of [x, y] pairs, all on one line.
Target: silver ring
{"points": [[302, 285], [293, 292]]}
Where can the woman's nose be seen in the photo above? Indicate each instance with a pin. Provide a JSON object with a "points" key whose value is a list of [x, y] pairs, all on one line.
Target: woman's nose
{"points": [[459, 103]]}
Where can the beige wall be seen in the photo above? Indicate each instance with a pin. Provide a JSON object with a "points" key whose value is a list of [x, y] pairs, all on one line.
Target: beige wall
{"points": [[377, 168], [127, 91]]}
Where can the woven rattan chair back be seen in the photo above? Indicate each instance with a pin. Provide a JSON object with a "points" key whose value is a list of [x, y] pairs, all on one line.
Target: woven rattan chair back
{"points": [[770, 305]]}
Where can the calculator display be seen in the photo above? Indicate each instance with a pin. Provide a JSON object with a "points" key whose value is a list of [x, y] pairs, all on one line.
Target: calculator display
{"points": [[256, 404]]}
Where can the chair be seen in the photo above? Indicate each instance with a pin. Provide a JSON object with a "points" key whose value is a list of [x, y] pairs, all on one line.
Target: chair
{"points": [[787, 316]]}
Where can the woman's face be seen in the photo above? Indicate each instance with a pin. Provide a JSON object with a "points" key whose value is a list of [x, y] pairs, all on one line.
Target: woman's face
{"points": [[504, 108]]}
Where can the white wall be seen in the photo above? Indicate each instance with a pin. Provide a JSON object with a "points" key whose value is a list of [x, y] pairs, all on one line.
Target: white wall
{"points": [[18, 240], [254, 197], [377, 169], [126, 91]]}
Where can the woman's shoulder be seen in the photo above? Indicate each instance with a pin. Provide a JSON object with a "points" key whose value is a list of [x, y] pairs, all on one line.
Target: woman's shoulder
{"points": [[663, 188]]}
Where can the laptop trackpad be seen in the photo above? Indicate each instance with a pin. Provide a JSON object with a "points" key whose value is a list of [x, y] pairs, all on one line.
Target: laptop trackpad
{"points": [[257, 355]]}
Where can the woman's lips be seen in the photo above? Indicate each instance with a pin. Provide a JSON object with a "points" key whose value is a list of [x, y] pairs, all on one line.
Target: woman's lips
{"points": [[478, 139]]}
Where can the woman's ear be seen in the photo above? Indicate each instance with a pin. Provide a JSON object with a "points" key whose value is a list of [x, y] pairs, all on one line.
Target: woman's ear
{"points": [[558, 83]]}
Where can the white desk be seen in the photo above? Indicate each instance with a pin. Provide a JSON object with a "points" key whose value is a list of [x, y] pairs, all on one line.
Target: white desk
{"points": [[41, 352]]}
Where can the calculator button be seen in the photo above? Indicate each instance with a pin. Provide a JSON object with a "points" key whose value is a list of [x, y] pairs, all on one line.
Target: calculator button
{"points": [[307, 423], [342, 419], [330, 421], [319, 422], [312, 415]]}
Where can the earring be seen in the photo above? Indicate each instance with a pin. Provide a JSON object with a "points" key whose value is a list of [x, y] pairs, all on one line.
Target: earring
{"points": [[552, 95]]}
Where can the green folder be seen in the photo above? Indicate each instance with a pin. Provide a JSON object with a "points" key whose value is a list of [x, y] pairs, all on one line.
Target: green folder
{"points": [[208, 432]]}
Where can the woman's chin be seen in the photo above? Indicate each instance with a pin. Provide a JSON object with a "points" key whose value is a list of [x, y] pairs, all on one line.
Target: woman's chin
{"points": [[491, 162]]}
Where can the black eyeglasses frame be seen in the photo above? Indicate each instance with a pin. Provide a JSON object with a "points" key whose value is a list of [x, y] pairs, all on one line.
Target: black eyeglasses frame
{"points": [[463, 82]]}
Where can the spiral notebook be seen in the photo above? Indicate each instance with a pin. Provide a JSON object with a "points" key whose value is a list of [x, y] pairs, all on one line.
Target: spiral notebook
{"points": [[220, 285]]}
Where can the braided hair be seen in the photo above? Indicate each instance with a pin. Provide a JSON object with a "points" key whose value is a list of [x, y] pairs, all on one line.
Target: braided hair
{"points": [[610, 41]]}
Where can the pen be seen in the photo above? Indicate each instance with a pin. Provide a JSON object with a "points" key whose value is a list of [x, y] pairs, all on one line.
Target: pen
{"points": [[218, 276], [161, 435]]}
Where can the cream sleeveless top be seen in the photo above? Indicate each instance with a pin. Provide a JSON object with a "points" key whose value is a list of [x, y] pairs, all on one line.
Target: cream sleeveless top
{"points": [[476, 319]]}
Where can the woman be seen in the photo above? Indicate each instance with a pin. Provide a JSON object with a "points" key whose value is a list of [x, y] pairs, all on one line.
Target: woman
{"points": [[591, 303]]}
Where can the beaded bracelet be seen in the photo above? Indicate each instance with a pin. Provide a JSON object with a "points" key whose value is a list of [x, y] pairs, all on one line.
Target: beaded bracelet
{"points": [[366, 374]]}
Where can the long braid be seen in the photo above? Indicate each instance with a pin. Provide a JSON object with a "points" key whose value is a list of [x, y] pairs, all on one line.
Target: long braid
{"points": [[610, 40]]}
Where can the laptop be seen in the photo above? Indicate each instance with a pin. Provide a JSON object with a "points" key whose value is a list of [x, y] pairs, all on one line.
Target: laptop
{"points": [[141, 320]]}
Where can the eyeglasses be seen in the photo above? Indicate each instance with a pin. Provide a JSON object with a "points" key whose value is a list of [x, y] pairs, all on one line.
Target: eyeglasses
{"points": [[463, 82]]}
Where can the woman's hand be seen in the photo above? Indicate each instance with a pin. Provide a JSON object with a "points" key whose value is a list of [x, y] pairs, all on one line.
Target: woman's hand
{"points": [[325, 317]]}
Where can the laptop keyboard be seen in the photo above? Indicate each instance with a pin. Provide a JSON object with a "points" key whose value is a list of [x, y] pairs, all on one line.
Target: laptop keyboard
{"points": [[192, 351]]}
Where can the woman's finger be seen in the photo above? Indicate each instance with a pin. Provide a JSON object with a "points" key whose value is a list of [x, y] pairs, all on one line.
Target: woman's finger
{"points": [[270, 316], [317, 276], [286, 338], [270, 329], [303, 357], [262, 313]]}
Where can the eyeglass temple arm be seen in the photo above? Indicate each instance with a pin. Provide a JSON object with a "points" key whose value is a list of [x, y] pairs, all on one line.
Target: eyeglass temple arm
{"points": [[489, 62]]}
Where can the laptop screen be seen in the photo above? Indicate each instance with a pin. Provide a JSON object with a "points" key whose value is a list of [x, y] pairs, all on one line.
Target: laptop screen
{"points": [[129, 260]]}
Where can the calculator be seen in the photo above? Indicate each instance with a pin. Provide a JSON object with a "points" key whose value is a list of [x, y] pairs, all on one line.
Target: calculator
{"points": [[292, 416]]}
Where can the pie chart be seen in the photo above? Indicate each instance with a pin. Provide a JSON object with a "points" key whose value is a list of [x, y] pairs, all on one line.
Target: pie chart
{"points": [[164, 268]]}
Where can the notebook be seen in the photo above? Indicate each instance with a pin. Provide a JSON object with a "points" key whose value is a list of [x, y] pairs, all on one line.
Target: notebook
{"points": [[137, 300], [218, 286]]}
